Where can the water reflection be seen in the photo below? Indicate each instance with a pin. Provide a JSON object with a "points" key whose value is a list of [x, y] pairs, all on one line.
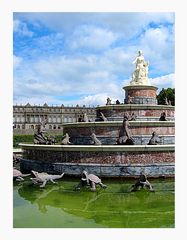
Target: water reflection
{"points": [[111, 207]]}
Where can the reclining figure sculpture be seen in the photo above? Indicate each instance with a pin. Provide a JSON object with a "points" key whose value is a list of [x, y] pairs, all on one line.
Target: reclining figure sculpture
{"points": [[41, 138]]}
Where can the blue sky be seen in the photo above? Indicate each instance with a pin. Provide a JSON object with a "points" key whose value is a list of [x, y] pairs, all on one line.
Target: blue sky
{"points": [[83, 58]]}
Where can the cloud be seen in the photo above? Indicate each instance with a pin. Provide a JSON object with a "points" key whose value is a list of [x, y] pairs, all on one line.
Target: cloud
{"points": [[127, 23], [94, 100], [16, 61], [92, 37], [84, 58], [21, 28], [158, 46], [164, 81], [63, 76]]}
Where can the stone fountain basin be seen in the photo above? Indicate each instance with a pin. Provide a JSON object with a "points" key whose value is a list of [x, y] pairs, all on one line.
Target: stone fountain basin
{"points": [[140, 110], [108, 132], [104, 160]]}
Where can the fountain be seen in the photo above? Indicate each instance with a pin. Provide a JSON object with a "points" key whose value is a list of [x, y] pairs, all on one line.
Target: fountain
{"points": [[109, 158]]}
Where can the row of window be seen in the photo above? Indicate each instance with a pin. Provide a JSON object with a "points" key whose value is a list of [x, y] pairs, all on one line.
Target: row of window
{"points": [[16, 109], [18, 126], [36, 119], [37, 110], [50, 119]]}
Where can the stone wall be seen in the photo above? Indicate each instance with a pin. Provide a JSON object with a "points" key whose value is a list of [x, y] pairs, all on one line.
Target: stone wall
{"points": [[138, 140], [106, 170], [108, 132], [140, 94], [103, 160], [139, 111], [101, 157]]}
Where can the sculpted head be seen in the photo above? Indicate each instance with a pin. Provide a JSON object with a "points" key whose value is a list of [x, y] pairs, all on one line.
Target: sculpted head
{"points": [[140, 52]]}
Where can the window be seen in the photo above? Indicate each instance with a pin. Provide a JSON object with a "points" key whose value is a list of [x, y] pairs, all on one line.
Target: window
{"points": [[54, 119], [22, 119], [58, 119]]}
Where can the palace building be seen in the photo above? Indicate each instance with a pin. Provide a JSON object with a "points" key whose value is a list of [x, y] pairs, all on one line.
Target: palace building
{"points": [[27, 117]]}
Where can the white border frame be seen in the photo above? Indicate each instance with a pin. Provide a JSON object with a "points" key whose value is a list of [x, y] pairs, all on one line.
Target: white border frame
{"points": [[7, 7]]}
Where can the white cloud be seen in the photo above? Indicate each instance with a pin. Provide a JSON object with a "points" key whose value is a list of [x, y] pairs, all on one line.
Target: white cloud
{"points": [[63, 76], [128, 23], [164, 81], [89, 55], [158, 46], [92, 37], [16, 61], [21, 28], [97, 99]]}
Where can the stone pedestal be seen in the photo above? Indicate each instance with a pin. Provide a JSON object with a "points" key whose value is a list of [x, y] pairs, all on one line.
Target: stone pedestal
{"points": [[140, 94]]}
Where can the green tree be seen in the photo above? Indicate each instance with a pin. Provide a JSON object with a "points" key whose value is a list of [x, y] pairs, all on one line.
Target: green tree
{"points": [[166, 93]]}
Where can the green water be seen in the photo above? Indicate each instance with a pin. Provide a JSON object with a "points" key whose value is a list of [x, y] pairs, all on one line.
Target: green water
{"points": [[58, 206]]}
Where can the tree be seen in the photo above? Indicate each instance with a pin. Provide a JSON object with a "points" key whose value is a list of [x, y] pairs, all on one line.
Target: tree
{"points": [[168, 94]]}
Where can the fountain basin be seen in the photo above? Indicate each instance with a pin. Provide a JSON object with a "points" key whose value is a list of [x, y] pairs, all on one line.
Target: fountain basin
{"points": [[108, 132], [140, 110], [104, 160]]}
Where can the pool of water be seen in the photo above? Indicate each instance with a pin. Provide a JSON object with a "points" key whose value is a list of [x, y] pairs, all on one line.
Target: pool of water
{"points": [[59, 206]]}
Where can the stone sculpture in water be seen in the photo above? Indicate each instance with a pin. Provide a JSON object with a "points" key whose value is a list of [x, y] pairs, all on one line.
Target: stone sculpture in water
{"points": [[90, 180], [142, 183], [44, 178], [18, 175]]}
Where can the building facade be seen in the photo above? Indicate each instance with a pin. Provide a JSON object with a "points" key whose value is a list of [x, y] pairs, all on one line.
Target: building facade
{"points": [[27, 117]]}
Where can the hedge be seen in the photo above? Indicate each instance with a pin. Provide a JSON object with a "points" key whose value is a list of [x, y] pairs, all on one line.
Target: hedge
{"points": [[28, 138]]}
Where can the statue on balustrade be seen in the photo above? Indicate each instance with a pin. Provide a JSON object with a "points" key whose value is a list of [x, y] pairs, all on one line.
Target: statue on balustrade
{"points": [[85, 118], [162, 117], [132, 117], [108, 101], [125, 137], [65, 140], [154, 139], [95, 140]]}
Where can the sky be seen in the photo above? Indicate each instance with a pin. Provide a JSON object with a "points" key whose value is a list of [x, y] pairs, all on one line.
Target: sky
{"points": [[83, 58]]}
